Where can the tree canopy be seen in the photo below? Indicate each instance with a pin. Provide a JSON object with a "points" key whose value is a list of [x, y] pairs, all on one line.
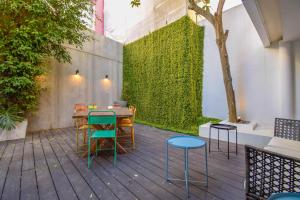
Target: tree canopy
{"points": [[32, 31]]}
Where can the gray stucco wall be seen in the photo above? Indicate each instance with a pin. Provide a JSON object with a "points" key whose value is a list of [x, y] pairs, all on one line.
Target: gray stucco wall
{"points": [[63, 89]]}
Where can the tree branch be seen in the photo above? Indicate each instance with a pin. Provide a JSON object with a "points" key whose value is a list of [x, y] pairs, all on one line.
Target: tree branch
{"points": [[220, 7], [226, 35], [206, 14]]}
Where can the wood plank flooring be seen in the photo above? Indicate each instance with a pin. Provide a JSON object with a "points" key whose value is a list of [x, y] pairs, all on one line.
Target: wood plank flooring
{"points": [[45, 166]]}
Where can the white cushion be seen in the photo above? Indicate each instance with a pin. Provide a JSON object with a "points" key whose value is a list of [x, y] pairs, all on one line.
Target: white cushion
{"points": [[285, 143], [284, 151], [284, 146]]}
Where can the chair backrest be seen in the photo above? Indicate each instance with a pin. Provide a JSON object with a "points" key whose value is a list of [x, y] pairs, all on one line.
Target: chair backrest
{"points": [[287, 128], [269, 172], [79, 107], [133, 108], [121, 103], [102, 117]]}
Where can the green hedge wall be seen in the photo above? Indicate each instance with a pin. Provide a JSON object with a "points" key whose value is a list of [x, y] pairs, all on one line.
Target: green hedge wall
{"points": [[163, 76]]}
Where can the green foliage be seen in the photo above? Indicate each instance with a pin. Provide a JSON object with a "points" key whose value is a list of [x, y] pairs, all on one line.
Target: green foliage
{"points": [[204, 120], [192, 131], [31, 31], [163, 76], [9, 118], [135, 3]]}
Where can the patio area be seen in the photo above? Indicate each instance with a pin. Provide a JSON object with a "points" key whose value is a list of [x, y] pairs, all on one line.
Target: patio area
{"points": [[46, 166], [149, 99]]}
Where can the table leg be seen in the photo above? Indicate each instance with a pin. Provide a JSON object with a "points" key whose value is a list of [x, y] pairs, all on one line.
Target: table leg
{"points": [[93, 148], [218, 139], [121, 148], [228, 145], [236, 142]]}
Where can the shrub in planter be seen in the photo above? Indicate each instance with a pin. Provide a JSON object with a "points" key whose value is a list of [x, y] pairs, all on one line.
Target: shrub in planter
{"points": [[31, 32]]}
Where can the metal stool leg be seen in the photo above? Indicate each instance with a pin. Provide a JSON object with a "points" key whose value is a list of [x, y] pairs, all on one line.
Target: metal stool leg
{"points": [[209, 139], [186, 171], [218, 139], [228, 144], [167, 161], [206, 168], [236, 142]]}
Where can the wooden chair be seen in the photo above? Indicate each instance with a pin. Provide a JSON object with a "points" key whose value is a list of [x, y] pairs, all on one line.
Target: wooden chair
{"points": [[128, 123], [80, 124]]}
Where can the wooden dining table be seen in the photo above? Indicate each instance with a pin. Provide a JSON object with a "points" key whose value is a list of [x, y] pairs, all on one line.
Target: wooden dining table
{"points": [[121, 112]]}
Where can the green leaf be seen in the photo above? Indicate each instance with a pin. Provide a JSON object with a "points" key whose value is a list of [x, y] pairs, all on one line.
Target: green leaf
{"points": [[135, 3], [9, 118]]}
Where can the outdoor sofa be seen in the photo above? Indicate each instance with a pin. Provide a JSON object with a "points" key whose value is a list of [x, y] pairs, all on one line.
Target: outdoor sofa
{"points": [[276, 167]]}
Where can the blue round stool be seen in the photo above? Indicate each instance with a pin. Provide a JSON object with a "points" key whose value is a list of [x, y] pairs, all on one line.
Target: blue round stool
{"points": [[285, 196], [186, 143]]}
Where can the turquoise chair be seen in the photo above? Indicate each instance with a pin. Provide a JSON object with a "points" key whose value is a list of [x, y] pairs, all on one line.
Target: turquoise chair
{"points": [[103, 118]]}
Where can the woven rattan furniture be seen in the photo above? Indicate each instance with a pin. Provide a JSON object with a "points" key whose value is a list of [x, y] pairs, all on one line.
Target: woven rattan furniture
{"points": [[287, 128], [276, 168], [269, 172]]}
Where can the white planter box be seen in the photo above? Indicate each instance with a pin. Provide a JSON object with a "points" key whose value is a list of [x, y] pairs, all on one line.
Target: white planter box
{"points": [[251, 133], [18, 133]]}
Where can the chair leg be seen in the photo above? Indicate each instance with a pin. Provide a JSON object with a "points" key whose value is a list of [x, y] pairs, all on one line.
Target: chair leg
{"points": [[89, 152], [132, 137], [77, 133], [115, 151], [96, 148], [84, 136]]}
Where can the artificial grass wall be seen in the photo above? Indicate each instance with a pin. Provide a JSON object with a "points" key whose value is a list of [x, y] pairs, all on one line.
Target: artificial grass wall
{"points": [[163, 76]]}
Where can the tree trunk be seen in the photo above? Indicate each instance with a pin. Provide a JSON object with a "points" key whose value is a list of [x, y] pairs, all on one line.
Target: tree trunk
{"points": [[221, 38]]}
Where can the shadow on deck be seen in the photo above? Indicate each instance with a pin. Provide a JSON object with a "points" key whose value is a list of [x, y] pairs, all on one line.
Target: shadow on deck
{"points": [[46, 166]]}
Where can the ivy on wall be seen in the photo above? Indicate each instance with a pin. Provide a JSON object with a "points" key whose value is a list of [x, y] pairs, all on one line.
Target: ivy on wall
{"points": [[163, 76]]}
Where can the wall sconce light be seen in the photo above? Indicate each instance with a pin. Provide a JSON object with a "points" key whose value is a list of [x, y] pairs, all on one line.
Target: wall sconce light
{"points": [[77, 72], [106, 76]]}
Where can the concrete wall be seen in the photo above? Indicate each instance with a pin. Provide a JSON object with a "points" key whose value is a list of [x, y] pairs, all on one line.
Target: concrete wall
{"points": [[98, 57], [160, 13], [257, 72], [125, 24], [296, 48]]}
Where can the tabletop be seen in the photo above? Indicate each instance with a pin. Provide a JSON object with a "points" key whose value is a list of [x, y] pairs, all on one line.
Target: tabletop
{"points": [[189, 142], [120, 112], [223, 126]]}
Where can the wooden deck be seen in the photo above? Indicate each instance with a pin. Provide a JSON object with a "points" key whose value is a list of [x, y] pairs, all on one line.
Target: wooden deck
{"points": [[45, 166]]}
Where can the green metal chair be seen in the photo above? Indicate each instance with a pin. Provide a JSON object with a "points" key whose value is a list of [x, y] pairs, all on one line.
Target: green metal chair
{"points": [[104, 118]]}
